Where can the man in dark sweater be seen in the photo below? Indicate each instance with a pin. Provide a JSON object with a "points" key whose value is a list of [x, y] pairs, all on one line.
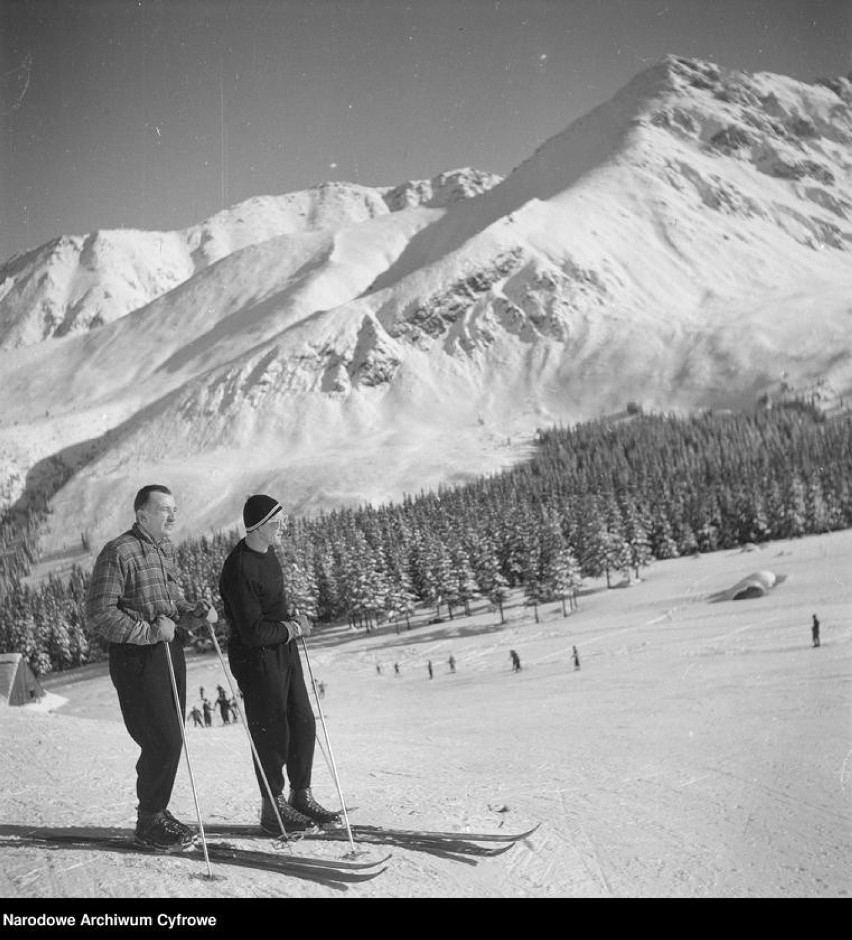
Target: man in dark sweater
{"points": [[265, 661]]}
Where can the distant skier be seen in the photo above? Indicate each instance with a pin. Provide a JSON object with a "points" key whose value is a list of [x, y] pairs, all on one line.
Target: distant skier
{"points": [[452, 663], [378, 669], [815, 631], [196, 717], [396, 669], [224, 706], [576, 656], [516, 661], [429, 667], [208, 713], [321, 689]]}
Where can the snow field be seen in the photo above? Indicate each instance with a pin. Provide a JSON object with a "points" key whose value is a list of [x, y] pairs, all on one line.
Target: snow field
{"points": [[702, 749]]}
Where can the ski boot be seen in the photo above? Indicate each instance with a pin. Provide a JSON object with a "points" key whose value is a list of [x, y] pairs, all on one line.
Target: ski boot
{"points": [[304, 802], [162, 832], [294, 821]]}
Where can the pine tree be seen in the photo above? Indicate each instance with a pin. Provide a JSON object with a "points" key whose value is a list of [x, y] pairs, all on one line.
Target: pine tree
{"points": [[441, 576], [399, 604], [662, 539], [498, 594], [707, 526], [562, 578], [465, 588], [300, 588], [794, 509], [638, 541], [534, 594]]}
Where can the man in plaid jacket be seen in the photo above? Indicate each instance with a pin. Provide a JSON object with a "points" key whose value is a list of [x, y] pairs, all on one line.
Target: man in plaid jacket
{"points": [[136, 603]]}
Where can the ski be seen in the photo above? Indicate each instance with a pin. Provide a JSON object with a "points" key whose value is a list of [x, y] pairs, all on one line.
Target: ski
{"points": [[454, 845], [445, 848], [439, 836], [328, 871], [436, 842], [339, 832]]}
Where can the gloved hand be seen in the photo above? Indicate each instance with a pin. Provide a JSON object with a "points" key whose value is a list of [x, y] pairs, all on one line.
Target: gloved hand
{"points": [[205, 611], [165, 628], [305, 625], [301, 626]]}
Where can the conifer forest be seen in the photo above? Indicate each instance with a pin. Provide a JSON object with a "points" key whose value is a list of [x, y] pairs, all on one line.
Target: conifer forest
{"points": [[599, 500]]}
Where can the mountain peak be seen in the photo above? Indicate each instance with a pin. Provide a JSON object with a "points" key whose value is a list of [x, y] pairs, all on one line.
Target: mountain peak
{"points": [[442, 190], [682, 245]]}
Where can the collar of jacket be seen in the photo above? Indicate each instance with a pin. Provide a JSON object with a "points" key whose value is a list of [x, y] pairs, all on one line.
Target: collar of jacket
{"points": [[146, 539]]}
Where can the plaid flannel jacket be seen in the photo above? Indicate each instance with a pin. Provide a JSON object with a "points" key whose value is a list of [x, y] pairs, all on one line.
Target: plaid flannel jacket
{"points": [[134, 580]]}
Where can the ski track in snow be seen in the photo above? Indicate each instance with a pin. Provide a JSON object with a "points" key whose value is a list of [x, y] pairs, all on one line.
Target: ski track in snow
{"points": [[702, 750]]}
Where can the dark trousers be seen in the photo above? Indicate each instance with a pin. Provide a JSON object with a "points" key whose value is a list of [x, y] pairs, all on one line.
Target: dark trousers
{"points": [[141, 677], [279, 714]]}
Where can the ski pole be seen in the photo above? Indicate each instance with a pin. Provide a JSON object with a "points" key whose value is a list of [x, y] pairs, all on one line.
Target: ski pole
{"points": [[318, 739], [332, 765], [179, 713], [325, 756], [212, 617]]}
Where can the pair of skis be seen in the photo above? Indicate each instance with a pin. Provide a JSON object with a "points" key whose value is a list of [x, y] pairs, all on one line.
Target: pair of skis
{"points": [[443, 844], [337, 873]]}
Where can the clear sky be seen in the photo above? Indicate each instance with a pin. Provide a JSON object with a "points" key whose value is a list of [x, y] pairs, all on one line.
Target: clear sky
{"points": [[156, 113]]}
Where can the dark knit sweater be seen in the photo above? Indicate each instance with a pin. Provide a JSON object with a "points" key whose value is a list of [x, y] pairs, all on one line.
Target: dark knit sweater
{"points": [[252, 589]]}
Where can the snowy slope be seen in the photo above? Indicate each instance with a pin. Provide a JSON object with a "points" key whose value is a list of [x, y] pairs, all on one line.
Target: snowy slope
{"points": [[685, 245], [701, 751]]}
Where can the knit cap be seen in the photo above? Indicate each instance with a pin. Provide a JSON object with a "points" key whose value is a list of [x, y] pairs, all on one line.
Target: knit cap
{"points": [[259, 509]]}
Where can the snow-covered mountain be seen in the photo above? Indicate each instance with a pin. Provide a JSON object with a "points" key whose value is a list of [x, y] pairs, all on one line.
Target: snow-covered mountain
{"points": [[687, 244], [73, 284]]}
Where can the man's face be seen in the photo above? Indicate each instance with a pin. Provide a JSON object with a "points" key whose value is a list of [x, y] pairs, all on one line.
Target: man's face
{"points": [[270, 531], [159, 516]]}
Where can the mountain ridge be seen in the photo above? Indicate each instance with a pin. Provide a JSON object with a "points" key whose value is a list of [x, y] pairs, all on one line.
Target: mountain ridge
{"points": [[685, 245], [66, 260]]}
